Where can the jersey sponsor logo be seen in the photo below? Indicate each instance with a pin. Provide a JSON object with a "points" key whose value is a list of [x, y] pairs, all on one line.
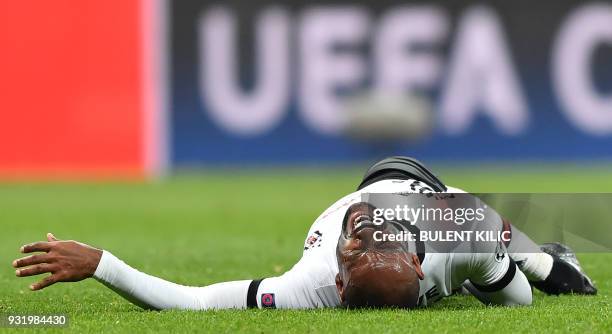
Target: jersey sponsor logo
{"points": [[313, 240], [267, 300]]}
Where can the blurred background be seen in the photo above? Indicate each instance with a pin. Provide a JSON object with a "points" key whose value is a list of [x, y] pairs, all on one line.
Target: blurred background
{"points": [[251, 117], [114, 88]]}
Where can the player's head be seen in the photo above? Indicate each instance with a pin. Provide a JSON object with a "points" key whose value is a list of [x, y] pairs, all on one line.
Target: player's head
{"points": [[374, 273]]}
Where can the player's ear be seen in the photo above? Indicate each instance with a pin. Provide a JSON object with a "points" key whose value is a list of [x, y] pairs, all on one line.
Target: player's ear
{"points": [[417, 266], [340, 287]]}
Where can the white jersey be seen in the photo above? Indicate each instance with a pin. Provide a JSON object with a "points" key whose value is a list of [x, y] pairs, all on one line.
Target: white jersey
{"points": [[311, 282]]}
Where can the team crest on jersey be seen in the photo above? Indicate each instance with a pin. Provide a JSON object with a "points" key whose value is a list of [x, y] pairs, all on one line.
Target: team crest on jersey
{"points": [[313, 240], [267, 300]]}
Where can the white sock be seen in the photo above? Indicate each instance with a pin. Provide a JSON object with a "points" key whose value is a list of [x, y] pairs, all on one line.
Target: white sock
{"points": [[536, 266], [534, 263]]}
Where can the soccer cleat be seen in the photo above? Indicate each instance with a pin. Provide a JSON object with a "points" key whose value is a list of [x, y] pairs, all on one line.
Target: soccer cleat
{"points": [[567, 276]]}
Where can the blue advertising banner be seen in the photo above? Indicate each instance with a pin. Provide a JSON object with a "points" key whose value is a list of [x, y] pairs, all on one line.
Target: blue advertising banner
{"points": [[301, 81]]}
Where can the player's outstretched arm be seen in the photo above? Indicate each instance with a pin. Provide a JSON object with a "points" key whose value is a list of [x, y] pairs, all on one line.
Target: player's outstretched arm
{"points": [[71, 261]]}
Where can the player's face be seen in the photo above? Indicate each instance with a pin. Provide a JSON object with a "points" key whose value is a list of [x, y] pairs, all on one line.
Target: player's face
{"points": [[363, 259]]}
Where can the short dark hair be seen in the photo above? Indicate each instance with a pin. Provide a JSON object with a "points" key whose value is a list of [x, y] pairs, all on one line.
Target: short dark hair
{"points": [[371, 292]]}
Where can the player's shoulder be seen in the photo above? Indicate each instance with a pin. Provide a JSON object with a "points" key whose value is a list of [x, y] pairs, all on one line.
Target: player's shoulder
{"points": [[339, 207], [324, 232]]}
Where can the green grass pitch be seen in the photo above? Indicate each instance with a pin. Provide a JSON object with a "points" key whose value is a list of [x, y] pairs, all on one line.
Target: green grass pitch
{"points": [[198, 229]]}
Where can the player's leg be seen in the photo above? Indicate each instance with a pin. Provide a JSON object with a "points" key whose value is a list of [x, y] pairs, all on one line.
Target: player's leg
{"points": [[516, 293], [551, 268], [492, 276]]}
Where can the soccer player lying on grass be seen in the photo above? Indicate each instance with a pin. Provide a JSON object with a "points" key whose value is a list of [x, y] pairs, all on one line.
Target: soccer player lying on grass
{"points": [[342, 263]]}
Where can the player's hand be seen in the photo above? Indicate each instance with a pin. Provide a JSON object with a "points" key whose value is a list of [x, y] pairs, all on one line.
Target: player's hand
{"points": [[67, 261]]}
